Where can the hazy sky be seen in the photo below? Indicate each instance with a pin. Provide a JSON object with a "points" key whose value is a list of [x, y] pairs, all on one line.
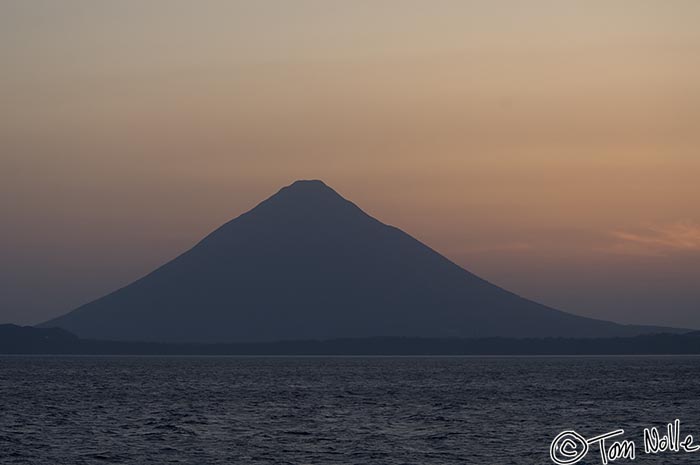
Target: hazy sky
{"points": [[552, 147]]}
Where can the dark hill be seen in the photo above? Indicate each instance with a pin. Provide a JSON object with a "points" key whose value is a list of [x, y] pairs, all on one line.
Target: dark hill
{"points": [[27, 340], [308, 264]]}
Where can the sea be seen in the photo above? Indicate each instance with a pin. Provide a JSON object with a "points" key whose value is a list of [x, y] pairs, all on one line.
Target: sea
{"points": [[60, 410]]}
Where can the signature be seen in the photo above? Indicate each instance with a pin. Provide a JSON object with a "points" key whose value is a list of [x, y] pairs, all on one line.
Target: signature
{"points": [[569, 447]]}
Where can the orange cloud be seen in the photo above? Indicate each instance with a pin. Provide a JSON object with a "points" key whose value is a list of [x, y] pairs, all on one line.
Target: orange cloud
{"points": [[658, 240]]}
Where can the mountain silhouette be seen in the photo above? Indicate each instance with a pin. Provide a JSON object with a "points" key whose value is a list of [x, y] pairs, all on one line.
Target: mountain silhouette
{"points": [[308, 264]]}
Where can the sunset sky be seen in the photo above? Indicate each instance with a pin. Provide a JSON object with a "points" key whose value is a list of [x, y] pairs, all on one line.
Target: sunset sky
{"points": [[551, 147]]}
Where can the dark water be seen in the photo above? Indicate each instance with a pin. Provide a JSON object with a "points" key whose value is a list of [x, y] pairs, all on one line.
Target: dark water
{"points": [[62, 410]]}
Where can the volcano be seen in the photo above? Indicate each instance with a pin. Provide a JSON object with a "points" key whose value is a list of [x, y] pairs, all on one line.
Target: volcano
{"points": [[308, 264]]}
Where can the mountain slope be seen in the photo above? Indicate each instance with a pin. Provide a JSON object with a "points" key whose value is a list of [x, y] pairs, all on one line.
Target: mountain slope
{"points": [[305, 264]]}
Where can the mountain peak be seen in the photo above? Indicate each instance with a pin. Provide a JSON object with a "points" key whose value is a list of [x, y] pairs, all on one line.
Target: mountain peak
{"points": [[301, 183], [308, 192], [308, 186]]}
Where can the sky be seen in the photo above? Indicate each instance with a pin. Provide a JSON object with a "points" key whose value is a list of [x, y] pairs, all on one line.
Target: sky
{"points": [[550, 147]]}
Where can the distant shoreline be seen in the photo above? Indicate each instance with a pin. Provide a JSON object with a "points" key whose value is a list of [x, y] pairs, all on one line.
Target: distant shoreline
{"points": [[348, 356], [17, 340]]}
